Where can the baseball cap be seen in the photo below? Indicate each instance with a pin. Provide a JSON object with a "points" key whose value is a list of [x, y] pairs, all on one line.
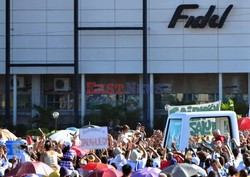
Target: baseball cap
{"points": [[68, 143]]}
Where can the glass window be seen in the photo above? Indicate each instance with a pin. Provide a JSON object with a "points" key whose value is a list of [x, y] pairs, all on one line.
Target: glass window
{"points": [[204, 127], [182, 89], [62, 101], [174, 132], [96, 99], [2, 101], [24, 101], [57, 101]]}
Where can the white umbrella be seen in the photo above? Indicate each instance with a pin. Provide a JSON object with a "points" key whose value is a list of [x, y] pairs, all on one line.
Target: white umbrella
{"points": [[184, 170], [62, 135]]}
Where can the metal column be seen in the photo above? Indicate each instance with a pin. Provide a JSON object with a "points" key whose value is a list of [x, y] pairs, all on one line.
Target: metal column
{"points": [[220, 87], [14, 99], [151, 101], [76, 59], [248, 93], [141, 94], [146, 99], [83, 104]]}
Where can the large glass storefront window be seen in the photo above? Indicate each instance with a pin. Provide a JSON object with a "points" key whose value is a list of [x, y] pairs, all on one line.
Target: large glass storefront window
{"points": [[114, 96], [61, 101], [132, 101], [235, 87], [2, 92], [24, 101], [186, 89], [23, 93], [58, 92]]}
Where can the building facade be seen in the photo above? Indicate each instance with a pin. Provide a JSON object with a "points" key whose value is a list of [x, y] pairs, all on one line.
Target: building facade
{"points": [[197, 52]]}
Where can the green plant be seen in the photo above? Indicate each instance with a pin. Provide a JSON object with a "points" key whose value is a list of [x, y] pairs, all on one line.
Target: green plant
{"points": [[229, 105], [240, 108], [43, 117]]}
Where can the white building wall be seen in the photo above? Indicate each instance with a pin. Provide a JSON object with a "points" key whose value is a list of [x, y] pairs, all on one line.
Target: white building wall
{"points": [[43, 33], [188, 50], [2, 37]]}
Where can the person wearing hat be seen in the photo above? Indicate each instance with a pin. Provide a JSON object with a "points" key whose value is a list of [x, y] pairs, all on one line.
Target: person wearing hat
{"points": [[92, 157], [135, 160], [69, 158], [24, 156], [54, 174]]}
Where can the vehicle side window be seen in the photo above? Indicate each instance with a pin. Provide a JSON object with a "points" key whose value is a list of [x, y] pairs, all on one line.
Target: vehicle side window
{"points": [[204, 128], [174, 132]]}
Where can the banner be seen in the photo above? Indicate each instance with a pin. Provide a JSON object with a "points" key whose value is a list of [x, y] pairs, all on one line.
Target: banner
{"points": [[13, 149], [214, 106], [94, 138], [202, 126]]}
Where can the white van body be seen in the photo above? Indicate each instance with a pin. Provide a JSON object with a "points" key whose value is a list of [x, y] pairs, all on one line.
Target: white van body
{"points": [[180, 126]]}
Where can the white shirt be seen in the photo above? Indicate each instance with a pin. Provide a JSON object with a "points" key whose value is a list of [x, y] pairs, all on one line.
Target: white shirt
{"points": [[137, 165], [111, 160], [157, 162], [223, 173], [24, 156], [240, 166], [237, 162]]}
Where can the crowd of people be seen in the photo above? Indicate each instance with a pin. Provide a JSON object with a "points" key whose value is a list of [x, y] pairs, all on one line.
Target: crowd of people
{"points": [[130, 151]]}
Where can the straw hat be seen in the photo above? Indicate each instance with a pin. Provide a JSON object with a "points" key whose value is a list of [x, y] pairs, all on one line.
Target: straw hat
{"points": [[91, 158], [54, 174]]}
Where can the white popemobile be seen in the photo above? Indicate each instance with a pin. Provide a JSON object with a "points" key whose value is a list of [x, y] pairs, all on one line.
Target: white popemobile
{"points": [[183, 125]]}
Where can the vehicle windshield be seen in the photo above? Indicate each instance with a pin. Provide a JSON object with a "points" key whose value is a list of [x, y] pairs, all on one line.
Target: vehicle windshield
{"points": [[174, 132], [201, 129]]}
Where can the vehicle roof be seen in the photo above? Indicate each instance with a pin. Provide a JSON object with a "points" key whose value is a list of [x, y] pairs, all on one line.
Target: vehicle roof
{"points": [[199, 114]]}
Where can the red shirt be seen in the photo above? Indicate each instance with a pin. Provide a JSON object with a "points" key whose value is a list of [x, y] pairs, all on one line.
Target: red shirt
{"points": [[164, 164], [177, 157], [220, 138]]}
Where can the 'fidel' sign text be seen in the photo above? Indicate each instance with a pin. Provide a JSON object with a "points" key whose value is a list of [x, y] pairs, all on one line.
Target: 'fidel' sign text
{"points": [[213, 21]]}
